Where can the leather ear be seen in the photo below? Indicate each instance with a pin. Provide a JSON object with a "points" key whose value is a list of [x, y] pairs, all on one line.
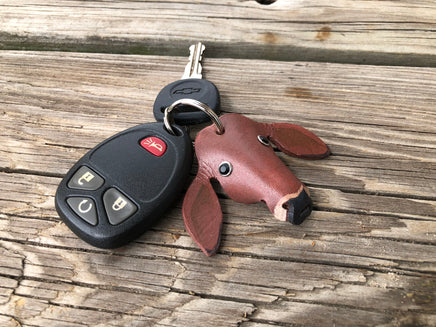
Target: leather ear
{"points": [[297, 141], [202, 214]]}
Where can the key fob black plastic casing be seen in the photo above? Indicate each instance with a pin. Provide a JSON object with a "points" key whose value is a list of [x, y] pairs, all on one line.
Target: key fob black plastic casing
{"points": [[118, 189]]}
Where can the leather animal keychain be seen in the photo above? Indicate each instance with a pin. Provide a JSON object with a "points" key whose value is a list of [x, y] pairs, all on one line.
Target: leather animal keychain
{"points": [[237, 152]]}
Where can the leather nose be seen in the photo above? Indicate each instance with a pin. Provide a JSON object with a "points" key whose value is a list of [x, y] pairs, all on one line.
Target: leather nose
{"points": [[298, 208]]}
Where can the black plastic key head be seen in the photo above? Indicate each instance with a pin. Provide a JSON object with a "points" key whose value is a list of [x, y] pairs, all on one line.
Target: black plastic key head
{"points": [[120, 187], [193, 88]]}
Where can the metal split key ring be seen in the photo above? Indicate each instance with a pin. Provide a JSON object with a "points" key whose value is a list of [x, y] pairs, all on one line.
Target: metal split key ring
{"points": [[196, 104]]}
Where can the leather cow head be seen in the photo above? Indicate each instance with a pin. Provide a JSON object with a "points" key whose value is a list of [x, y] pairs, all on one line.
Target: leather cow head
{"points": [[243, 161]]}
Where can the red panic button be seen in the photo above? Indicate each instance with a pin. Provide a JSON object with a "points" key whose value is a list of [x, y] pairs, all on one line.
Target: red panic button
{"points": [[154, 145]]}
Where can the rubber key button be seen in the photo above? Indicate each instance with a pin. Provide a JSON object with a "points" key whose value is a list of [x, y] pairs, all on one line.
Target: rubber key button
{"points": [[118, 207], [85, 179], [84, 208], [154, 145]]}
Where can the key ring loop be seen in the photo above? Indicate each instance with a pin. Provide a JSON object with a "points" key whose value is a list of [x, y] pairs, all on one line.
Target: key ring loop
{"points": [[196, 104]]}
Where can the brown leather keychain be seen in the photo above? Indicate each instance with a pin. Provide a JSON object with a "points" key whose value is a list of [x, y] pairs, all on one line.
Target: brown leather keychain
{"points": [[237, 152]]}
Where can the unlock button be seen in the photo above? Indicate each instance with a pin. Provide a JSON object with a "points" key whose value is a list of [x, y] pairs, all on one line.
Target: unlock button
{"points": [[118, 207]]}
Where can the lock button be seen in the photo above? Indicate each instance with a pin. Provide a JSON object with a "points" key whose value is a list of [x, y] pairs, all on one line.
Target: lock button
{"points": [[118, 207], [85, 179]]}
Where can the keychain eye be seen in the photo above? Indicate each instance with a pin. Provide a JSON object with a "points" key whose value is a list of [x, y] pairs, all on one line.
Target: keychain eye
{"points": [[225, 168], [262, 139]]}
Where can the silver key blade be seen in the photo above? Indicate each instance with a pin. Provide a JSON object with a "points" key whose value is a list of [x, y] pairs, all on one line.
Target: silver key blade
{"points": [[193, 68]]}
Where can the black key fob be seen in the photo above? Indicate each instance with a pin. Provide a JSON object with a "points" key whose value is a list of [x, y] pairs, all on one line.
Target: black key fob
{"points": [[120, 187]]}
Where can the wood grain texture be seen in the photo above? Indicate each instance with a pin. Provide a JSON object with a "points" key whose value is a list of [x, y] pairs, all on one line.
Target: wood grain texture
{"points": [[372, 32], [365, 257], [379, 123]]}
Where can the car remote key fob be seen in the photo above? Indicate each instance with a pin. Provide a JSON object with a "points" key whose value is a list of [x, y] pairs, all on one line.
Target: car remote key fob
{"points": [[119, 188]]}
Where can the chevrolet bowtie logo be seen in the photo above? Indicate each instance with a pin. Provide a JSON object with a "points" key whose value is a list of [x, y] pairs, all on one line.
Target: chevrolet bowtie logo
{"points": [[187, 90]]}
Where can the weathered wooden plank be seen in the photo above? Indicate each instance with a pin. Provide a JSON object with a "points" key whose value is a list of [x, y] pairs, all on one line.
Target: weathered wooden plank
{"points": [[307, 314], [413, 295], [102, 307], [158, 270], [344, 239], [387, 32], [42, 293], [36, 312], [377, 122], [374, 204], [25, 311], [153, 306], [367, 241], [215, 279]]}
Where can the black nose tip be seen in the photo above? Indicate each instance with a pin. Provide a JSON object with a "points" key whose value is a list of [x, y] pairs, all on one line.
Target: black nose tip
{"points": [[299, 208]]}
